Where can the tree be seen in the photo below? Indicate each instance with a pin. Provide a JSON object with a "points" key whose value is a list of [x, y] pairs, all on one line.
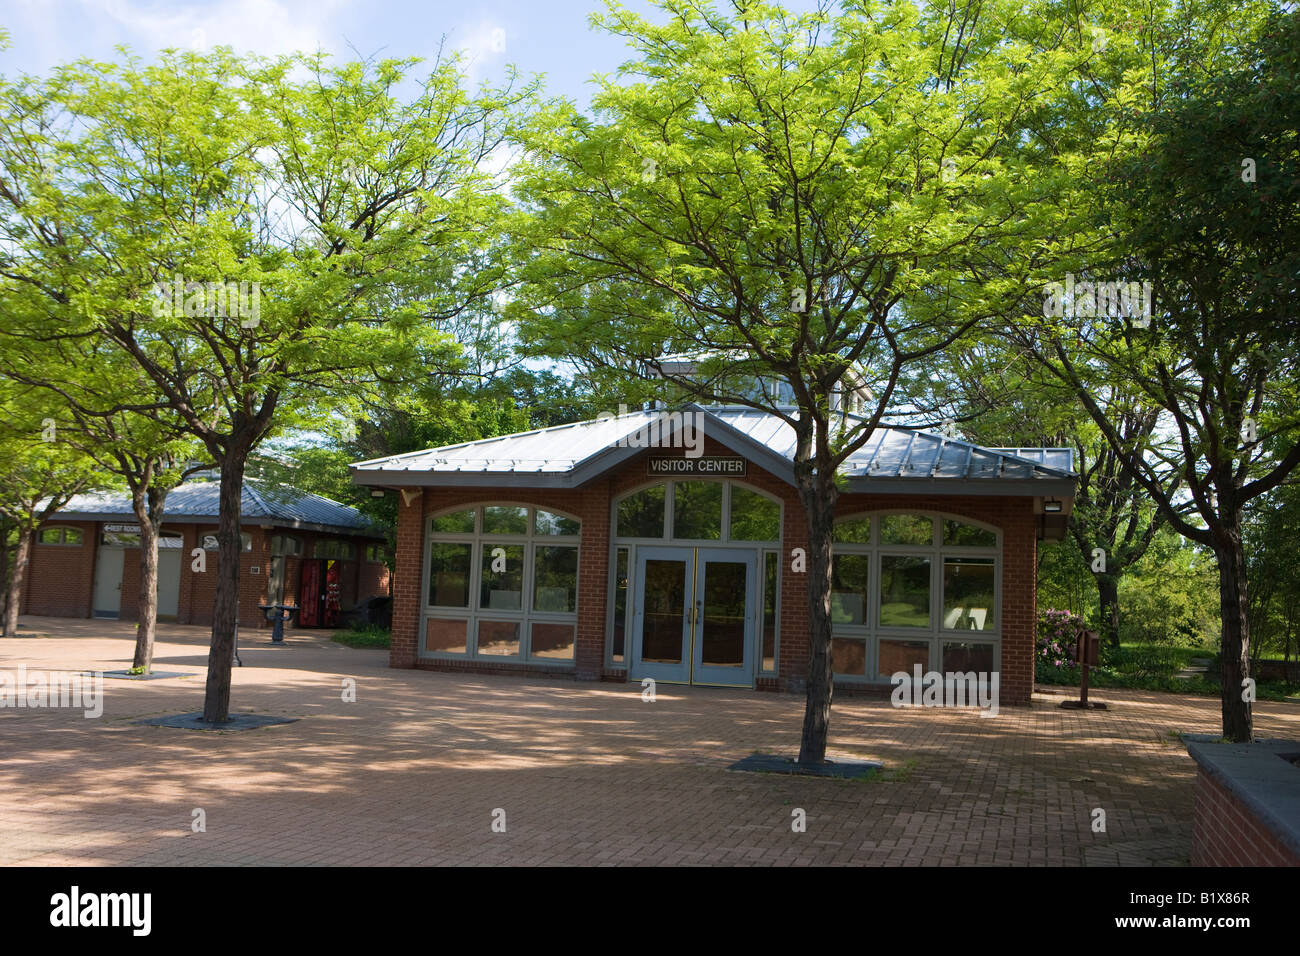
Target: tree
{"points": [[114, 418], [1207, 213], [40, 474], [791, 198], [266, 240], [998, 395]]}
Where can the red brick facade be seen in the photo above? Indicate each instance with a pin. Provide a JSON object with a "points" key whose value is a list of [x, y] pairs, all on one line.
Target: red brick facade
{"points": [[592, 504], [61, 579], [1226, 833]]}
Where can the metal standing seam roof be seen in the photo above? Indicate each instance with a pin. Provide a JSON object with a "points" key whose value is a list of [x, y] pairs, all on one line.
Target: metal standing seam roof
{"points": [[568, 455], [260, 504]]}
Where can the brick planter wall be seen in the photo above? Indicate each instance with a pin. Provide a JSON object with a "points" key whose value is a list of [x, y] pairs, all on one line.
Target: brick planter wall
{"points": [[1247, 804]]}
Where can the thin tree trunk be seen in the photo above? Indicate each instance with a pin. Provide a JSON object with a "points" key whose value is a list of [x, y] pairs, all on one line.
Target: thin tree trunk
{"points": [[148, 507], [5, 565], [1235, 642], [21, 558], [225, 608], [819, 506]]}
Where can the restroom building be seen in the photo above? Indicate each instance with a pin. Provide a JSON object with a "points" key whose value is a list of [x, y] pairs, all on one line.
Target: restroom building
{"points": [[297, 548], [591, 551]]}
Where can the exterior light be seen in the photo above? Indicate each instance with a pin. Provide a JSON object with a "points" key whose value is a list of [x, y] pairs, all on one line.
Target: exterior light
{"points": [[376, 492], [1051, 506]]}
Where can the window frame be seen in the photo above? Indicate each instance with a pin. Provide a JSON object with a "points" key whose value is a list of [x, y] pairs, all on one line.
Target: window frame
{"points": [[63, 542], [526, 616], [935, 635]]}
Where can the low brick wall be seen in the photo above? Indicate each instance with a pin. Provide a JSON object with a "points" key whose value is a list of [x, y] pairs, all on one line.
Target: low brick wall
{"points": [[1247, 809]]}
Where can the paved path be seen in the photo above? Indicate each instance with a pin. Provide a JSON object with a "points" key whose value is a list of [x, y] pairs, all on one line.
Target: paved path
{"points": [[586, 773]]}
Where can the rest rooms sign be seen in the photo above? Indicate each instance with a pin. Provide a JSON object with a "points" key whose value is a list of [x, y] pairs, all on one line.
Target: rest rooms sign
{"points": [[714, 465]]}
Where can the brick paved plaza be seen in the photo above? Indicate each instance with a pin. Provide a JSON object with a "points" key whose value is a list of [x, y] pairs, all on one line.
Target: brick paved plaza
{"points": [[586, 773]]}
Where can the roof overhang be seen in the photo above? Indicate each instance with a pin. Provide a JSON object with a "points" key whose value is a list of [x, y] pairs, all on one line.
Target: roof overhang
{"points": [[1050, 484]]}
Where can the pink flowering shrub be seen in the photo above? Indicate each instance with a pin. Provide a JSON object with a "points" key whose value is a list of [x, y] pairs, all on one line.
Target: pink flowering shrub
{"points": [[1058, 638]]}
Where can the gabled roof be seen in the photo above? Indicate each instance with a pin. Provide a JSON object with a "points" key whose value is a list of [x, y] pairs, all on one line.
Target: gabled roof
{"points": [[566, 456], [262, 503]]}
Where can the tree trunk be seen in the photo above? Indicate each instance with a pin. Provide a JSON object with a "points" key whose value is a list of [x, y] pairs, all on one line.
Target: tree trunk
{"points": [[21, 558], [1235, 642], [225, 608], [4, 568], [148, 506], [1108, 589], [819, 498]]}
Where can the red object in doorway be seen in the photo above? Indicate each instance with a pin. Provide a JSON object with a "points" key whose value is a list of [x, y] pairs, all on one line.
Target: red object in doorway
{"points": [[332, 588], [309, 593]]}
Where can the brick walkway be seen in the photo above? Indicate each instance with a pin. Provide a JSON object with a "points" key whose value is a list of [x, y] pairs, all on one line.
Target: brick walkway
{"points": [[586, 773]]}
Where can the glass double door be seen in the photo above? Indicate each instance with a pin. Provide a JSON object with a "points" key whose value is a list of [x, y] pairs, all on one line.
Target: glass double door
{"points": [[694, 614]]}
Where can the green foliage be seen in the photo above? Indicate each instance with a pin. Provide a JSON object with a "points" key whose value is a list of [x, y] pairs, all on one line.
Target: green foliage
{"points": [[365, 636], [1172, 596]]}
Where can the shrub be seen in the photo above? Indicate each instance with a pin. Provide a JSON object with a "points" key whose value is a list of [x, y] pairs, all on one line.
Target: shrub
{"points": [[1058, 639]]}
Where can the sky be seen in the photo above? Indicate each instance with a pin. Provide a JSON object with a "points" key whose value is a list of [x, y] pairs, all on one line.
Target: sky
{"points": [[537, 36]]}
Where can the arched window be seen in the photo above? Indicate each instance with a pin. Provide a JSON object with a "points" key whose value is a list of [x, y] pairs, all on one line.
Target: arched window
{"points": [[67, 537], [912, 589], [501, 582], [698, 510]]}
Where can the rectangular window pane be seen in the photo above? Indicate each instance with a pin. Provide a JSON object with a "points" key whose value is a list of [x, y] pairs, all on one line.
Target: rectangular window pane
{"points": [[620, 605], [445, 636], [552, 642], [498, 638], [641, 515], [502, 584], [665, 612], [769, 611], [753, 517], [72, 536], [697, 510], [51, 535], [849, 656], [904, 591], [906, 529], [963, 658], [555, 579], [548, 523], [968, 594], [449, 565], [849, 575], [969, 536], [458, 522], [498, 519], [896, 656]]}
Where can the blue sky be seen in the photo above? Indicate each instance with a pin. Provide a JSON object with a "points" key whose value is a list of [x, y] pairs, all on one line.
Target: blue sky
{"points": [[553, 38]]}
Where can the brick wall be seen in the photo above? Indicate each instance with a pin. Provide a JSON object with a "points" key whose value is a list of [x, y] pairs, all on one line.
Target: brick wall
{"points": [[1226, 833], [60, 579]]}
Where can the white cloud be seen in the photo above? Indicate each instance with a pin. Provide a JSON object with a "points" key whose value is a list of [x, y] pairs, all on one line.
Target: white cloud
{"points": [[261, 26]]}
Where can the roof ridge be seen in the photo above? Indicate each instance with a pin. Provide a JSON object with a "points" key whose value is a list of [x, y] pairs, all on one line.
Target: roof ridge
{"points": [[249, 486], [484, 441]]}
